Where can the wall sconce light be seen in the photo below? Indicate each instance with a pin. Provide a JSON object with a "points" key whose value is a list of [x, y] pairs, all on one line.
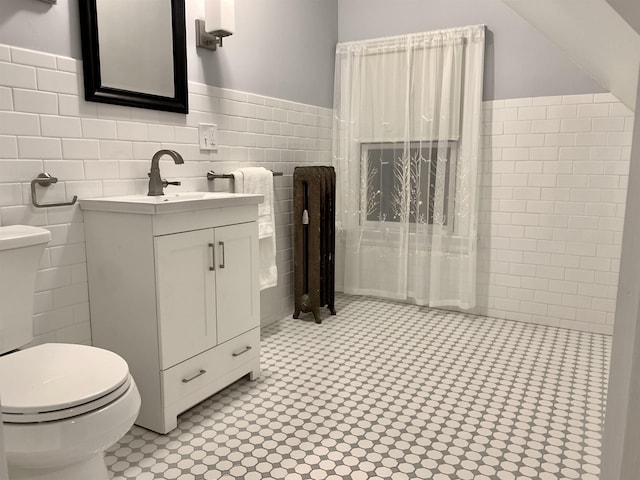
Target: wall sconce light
{"points": [[219, 22], [52, 2]]}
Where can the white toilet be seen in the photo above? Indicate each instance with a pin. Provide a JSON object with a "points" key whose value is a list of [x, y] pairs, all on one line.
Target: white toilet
{"points": [[62, 405]]}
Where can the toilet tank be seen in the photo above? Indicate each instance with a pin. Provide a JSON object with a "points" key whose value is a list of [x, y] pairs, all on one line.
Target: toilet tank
{"points": [[21, 247]]}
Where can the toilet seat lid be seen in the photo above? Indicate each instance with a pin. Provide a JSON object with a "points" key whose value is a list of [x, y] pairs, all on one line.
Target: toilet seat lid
{"points": [[56, 376], [16, 236]]}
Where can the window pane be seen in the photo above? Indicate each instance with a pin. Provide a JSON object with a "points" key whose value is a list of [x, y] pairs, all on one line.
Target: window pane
{"points": [[389, 170]]}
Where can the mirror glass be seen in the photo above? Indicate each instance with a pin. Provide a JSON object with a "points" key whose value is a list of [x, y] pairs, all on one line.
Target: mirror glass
{"points": [[142, 59], [134, 53]]}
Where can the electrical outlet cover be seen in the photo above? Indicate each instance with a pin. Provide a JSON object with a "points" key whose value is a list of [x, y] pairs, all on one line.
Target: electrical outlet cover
{"points": [[208, 133]]}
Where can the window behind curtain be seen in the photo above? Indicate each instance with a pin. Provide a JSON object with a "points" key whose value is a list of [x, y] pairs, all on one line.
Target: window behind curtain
{"points": [[384, 164]]}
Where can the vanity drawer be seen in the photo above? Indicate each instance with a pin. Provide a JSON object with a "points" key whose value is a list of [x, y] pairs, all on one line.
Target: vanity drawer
{"points": [[204, 371]]}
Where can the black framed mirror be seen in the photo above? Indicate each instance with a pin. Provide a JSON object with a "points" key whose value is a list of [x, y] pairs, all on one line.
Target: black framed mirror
{"points": [[135, 53]]}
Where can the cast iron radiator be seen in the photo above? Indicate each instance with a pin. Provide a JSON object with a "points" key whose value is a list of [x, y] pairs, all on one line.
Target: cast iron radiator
{"points": [[314, 197]]}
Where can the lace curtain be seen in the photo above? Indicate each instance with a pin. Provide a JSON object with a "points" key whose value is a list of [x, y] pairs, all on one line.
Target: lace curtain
{"points": [[406, 145]]}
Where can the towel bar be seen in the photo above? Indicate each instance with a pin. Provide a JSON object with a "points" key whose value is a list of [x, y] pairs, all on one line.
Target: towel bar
{"points": [[211, 175]]}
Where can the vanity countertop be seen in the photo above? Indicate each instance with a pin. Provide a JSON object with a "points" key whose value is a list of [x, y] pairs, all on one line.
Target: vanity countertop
{"points": [[169, 203]]}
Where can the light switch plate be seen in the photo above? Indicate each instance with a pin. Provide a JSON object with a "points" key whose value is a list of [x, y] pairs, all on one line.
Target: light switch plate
{"points": [[208, 133]]}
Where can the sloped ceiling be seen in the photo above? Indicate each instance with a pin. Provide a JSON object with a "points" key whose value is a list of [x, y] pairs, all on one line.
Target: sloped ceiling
{"points": [[594, 36], [629, 10]]}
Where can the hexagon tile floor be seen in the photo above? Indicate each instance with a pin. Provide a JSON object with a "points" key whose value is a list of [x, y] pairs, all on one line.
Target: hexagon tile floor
{"points": [[389, 390]]}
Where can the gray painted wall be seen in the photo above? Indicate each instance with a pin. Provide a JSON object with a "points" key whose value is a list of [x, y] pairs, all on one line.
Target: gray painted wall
{"points": [[285, 48], [39, 26], [282, 48], [520, 61]]}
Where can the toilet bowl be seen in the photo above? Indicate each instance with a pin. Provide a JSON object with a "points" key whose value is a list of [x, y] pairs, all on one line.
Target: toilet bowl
{"points": [[62, 405]]}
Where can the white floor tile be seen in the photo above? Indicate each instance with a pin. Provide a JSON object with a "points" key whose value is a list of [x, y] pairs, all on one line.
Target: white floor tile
{"points": [[388, 390]]}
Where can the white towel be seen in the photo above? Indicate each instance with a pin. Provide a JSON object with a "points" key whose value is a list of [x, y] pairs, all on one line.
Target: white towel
{"points": [[260, 180]]}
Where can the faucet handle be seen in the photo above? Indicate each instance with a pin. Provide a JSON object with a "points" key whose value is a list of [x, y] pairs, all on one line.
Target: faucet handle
{"points": [[165, 183]]}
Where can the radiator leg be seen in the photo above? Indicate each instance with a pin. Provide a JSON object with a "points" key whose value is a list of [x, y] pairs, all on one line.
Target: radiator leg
{"points": [[316, 315], [296, 313], [332, 309]]}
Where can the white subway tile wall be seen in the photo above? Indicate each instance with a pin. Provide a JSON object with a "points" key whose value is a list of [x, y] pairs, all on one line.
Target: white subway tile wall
{"points": [[96, 149], [552, 198], [553, 186]]}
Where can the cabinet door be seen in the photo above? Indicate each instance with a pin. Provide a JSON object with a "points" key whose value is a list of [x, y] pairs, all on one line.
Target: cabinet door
{"points": [[185, 287], [237, 290]]}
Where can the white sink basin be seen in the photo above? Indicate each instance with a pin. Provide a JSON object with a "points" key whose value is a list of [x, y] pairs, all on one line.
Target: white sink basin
{"points": [[179, 197], [169, 197], [169, 203]]}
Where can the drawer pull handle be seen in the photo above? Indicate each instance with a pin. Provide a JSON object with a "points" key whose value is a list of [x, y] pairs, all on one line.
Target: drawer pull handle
{"points": [[222, 248], [246, 349], [193, 377], [212, 246]]}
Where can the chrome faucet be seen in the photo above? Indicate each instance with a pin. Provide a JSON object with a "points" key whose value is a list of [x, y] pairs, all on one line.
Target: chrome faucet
{"points": [[156, 184]]}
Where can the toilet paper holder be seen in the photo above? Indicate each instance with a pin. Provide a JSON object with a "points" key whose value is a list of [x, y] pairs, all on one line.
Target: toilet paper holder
{"points": [[45, 180]]}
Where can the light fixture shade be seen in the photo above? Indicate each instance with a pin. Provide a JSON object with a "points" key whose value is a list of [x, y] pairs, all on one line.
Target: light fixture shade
{"points": [[219, 17]]}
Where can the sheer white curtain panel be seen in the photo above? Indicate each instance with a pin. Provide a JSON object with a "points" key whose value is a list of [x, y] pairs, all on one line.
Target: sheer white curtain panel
{"points": [[406, 146]]}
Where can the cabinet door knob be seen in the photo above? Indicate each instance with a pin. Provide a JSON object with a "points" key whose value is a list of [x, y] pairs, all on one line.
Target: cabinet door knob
{"points": [[212, 247], [222, 248], [237, 354], [194, 376]]}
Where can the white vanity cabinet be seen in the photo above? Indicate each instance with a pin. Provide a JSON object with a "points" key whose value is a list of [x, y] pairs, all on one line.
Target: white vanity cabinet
{"points": [[199, 276], [176, 294]]}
